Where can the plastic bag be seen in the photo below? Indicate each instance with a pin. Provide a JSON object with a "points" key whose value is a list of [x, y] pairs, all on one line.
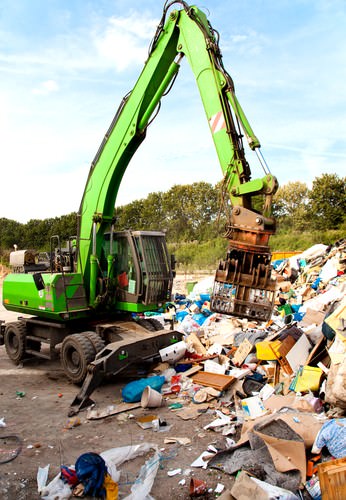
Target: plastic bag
{"points": [[42, 477], [56, 490], [188, 325], [144, 482], [132, 392]]}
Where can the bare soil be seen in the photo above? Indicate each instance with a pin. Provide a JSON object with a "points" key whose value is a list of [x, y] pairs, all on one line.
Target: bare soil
{"points": [[35, 399]]}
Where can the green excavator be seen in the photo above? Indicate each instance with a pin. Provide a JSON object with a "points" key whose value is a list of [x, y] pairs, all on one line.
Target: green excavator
{"points": [[79, 300]]}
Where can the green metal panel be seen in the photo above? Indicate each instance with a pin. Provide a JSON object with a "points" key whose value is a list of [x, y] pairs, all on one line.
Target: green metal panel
{"points": [[132, 307], [55, 301]]}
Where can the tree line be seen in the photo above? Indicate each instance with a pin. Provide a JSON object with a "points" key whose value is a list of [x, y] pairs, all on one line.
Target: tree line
{"points": [[194, 216]]}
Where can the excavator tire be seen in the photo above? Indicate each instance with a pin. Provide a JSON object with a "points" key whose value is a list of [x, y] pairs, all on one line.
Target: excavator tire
{"points": [[14, 340], [96, 341], [77, 351], [156, 324], [146, 323]]}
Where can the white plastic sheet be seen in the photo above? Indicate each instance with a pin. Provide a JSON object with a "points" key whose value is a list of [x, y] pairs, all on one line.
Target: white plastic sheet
{"points": [[56, 490], [116, 456]]}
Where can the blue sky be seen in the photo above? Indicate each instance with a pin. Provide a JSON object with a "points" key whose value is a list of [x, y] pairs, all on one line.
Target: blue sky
{"points": [[66, 64]]}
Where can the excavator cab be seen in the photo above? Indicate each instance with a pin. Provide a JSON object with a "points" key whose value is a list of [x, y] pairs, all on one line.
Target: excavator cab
{"points": [[139, 266]]}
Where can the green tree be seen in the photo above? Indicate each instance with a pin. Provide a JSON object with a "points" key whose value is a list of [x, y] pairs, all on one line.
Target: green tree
{"points": [[37, 233], [327, 201], [11, 233], [65, 226], [190, 211], [153, 215], [130, 216], [290, 205]]}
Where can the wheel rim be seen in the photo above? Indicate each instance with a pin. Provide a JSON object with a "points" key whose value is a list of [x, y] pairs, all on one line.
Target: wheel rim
{"points": [[76, 353], [14, 340], [13, 343], [73, 360]]}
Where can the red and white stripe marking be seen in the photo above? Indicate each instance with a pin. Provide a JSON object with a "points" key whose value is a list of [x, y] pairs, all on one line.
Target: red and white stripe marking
{"points": [[217, 122]]}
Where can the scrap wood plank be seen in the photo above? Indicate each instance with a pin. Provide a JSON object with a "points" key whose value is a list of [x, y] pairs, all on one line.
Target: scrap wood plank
{"points": [[332, 476], [318, 351], [192, 370], [217, 380], [280, 353], [94, 414]]}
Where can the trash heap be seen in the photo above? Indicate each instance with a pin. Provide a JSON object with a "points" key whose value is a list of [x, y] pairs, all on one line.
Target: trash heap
{"points": [[280, 386], [275, 392]]}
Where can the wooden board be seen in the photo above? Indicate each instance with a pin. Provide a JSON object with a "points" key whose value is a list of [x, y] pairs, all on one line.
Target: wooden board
{"points": [[216, 380], [94, 414], [332, 476], [194, 369]]}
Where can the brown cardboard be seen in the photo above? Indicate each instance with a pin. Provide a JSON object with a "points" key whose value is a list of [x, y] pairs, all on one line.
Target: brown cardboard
{"points": [[245, 488], [241, 353], [193, 341], [286, 454], [312, 317], [226, 495], [192, 411], [307, 425], [285, 286]]}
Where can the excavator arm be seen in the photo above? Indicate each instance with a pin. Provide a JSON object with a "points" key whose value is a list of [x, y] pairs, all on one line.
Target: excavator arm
{"points": [[243, 285]]}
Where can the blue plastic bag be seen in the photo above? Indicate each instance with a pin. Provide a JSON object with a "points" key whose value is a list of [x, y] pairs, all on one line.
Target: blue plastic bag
{"points": [[181, 315], [199, 318], [132, 392]]}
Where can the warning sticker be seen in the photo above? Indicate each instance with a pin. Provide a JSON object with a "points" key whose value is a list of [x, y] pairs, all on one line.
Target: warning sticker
{"points": [[217, 122]]}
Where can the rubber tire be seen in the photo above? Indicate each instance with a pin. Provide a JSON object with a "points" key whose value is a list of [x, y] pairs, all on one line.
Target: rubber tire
{"points": [[96, 341], [14, 340], [156, 324], [76, 353], [145, 323]]}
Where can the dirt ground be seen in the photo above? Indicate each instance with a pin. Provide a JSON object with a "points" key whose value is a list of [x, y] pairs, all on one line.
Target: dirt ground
{"points": [[35, 398]]}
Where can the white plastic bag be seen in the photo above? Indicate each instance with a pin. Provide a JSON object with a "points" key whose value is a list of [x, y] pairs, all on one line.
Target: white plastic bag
{"points": [[144, 482], [42, 477], [116, 456], [56, 490]]}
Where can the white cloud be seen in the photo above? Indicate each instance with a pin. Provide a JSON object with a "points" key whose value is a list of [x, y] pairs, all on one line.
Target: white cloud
{"points": [[46, 88], [108, 43], [124, 41]]}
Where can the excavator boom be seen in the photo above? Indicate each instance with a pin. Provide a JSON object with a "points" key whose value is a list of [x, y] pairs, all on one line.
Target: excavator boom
{"points": [[243, 285]]}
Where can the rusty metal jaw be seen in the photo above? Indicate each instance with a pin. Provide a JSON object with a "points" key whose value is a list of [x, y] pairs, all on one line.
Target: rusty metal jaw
{"points": [[243, 283]]}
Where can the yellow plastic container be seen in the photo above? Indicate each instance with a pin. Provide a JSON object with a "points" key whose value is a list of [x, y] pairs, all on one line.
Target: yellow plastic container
{"points": [[308, 378], [266, 350], [283, 255]]}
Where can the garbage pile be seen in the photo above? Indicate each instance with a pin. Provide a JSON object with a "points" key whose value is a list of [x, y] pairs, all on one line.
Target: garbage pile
{"points": [[275, 391], [282, 382]]}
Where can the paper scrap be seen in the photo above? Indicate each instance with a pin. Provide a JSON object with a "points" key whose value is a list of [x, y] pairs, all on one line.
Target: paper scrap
{"points": [[173, 472], [180, 440], [202, 460]]}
